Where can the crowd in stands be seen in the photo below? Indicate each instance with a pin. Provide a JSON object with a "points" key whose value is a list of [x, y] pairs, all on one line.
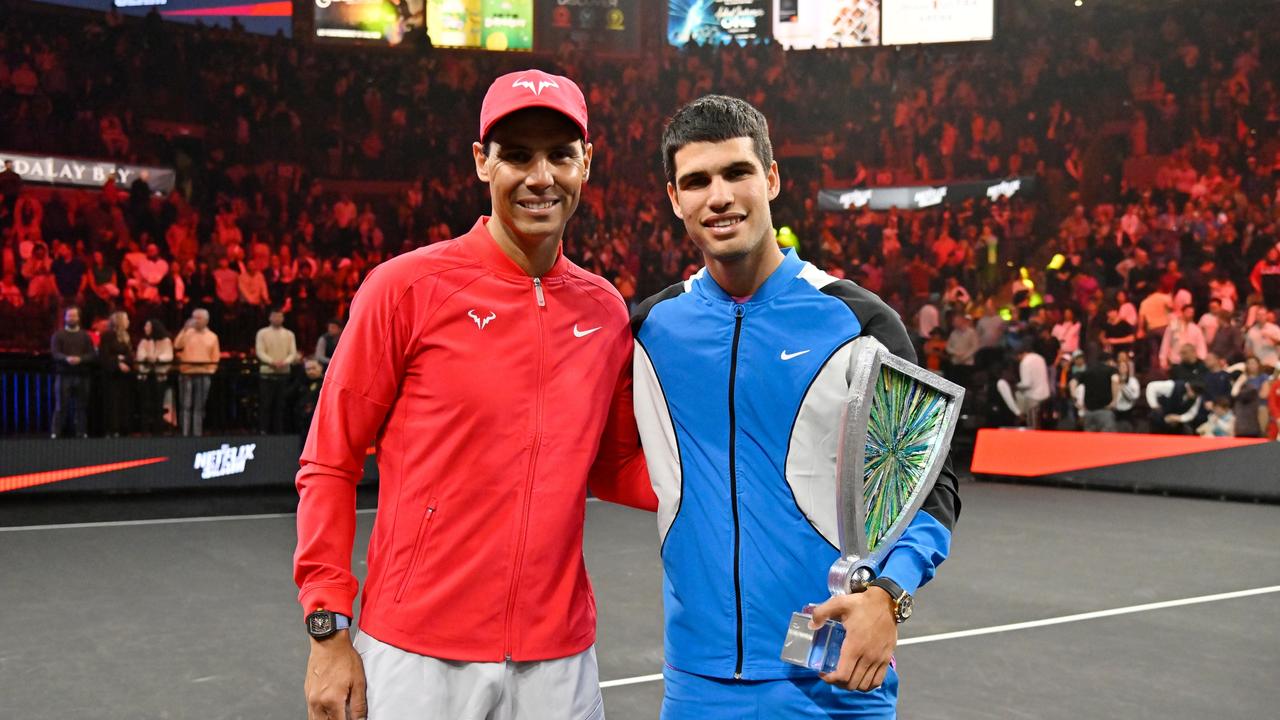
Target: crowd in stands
{"points": [[1136, 287]]}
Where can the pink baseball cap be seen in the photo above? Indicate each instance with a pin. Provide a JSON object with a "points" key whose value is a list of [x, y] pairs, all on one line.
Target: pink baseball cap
{"points": [[529, 89]]}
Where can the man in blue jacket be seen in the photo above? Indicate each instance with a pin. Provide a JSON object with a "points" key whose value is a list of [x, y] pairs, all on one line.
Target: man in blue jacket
{"points": [[740, 375]]}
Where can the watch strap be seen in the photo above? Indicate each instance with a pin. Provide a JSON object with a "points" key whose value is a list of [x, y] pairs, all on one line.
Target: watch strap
{"points": [[888, 585], [903, 603]]}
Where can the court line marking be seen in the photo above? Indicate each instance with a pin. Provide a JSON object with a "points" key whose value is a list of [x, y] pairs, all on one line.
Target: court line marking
{"points": [[173, 521], [1146, 607]]}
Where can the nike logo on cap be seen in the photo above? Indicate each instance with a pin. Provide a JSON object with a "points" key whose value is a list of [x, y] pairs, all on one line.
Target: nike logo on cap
{"points": [[584, 333], [788, 356]]}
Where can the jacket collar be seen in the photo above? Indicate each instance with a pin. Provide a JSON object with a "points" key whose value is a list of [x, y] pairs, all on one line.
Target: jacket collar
{"points": [[479, 242], [781, 276]]}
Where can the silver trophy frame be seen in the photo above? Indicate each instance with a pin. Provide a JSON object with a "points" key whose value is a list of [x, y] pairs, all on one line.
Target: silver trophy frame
{"points": [[856, 566], [819, 648]]}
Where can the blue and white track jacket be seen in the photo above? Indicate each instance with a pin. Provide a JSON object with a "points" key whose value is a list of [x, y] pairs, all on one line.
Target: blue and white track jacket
{"points": [[738, 406]]}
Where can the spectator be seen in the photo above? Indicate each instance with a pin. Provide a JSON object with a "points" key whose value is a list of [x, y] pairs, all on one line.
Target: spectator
{"points": [[1189, 366], [1217, 379], [1067, 333], [197, 350], [277, 351], [1098, 393], [115, 353], [1183, 332], [154, 357], [935, 351], [306, 394], [1248, 412], [1209, 321], [1117, 333], [153, 268], [1129, 392], [1228, 339], [327, 345], [42, 289], [1032, 388], [962, 350], [73, 352], [1174, 404], [1153, 319], [10, 188], [1221, 422], [68, 272], [1262, 340]]}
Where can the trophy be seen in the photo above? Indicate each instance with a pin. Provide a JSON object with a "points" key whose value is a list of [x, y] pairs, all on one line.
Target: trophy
{"points": [[897, 422]]}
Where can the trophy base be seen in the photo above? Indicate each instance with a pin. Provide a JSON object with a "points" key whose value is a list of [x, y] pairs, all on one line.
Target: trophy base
{"points": [[818, 650]]}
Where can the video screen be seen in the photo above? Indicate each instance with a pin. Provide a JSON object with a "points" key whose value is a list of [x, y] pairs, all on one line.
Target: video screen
{"points": [[266, 17], [718, 22], [481, 24], [386, 21], [917, 22], [808, 24]]}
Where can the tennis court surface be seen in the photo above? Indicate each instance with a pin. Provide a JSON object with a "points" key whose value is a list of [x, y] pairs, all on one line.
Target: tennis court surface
{"points": [[1056, 603]]}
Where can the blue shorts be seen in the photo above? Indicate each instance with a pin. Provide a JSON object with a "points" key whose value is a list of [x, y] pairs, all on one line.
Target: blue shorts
{"points": [[695, 697]]}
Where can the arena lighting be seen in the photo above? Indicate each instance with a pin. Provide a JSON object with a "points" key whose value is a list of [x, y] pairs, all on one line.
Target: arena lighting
{"points": [[1079, 3]]}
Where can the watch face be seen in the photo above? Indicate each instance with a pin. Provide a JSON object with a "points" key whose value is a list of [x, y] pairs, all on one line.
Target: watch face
{"points": [[320, 624], [905, 607]]}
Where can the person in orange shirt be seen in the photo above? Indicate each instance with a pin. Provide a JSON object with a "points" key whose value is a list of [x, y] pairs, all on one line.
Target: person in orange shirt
{"points": [[198, 352]]}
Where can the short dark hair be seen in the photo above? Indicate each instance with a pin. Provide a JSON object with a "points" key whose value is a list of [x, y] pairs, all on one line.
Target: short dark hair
{"points": [[715, 118]]}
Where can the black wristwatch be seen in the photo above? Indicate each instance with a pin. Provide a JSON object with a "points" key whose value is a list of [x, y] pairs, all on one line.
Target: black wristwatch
{"points": [[324, 623], [903, 603]]}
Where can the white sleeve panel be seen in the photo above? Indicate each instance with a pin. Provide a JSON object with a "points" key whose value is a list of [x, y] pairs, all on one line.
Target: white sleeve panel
{"points": [[811, 452], [658, 437]]}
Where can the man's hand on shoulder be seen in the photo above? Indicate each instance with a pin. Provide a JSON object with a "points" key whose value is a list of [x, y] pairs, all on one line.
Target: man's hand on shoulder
{"points": [[870, 639], [335, 680]]}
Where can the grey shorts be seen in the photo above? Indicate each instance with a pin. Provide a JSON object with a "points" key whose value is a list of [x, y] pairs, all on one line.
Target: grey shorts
{"points": [[405, 686]]}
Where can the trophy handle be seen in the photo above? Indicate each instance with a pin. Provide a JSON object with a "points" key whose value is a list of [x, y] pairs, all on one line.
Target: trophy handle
{"points": [[848, 575]]}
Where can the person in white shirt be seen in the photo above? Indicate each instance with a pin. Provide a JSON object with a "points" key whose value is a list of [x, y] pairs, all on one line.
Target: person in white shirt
{"points": [[1263, 338], [153, 268], [1032, 390], [1209, 321], [277, 351], [1067, 333], [1182, 330]]}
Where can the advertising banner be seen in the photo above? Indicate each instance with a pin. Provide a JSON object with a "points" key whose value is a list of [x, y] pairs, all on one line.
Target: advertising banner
{"points": [[918, 197], [383, 21], [806, 24], [56, 170], [718, 22], [162, 463], [610, 26]]}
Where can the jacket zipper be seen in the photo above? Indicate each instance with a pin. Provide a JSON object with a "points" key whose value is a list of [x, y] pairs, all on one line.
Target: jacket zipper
{"points": [[423, 534], [528, 483], [738, 312]]}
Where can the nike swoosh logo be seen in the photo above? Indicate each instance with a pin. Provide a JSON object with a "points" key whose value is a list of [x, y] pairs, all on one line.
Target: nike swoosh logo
{"points": [[17, 482], [583, 333], [788, 356]]}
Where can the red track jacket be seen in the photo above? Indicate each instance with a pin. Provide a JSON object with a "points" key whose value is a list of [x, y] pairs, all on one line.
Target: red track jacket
{"points": [[494, 399]]}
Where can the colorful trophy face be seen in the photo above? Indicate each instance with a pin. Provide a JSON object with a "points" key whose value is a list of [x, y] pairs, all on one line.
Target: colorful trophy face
{"points": [[898, 420]]}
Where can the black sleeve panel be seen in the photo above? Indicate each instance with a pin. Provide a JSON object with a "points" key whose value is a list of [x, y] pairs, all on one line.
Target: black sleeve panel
{"points": [[641, 313], [882, 322], [877, 319]]}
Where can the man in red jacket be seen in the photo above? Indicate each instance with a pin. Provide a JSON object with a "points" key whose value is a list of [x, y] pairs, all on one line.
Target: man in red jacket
{"points": [[493, 375]]}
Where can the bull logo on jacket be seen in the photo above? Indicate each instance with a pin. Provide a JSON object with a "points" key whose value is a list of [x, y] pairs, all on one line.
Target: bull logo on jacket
{"points": [[481, 322]]}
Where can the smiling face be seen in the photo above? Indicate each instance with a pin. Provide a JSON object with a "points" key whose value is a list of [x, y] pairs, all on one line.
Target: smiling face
{"points": [[722, 193], [535, 167]]}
